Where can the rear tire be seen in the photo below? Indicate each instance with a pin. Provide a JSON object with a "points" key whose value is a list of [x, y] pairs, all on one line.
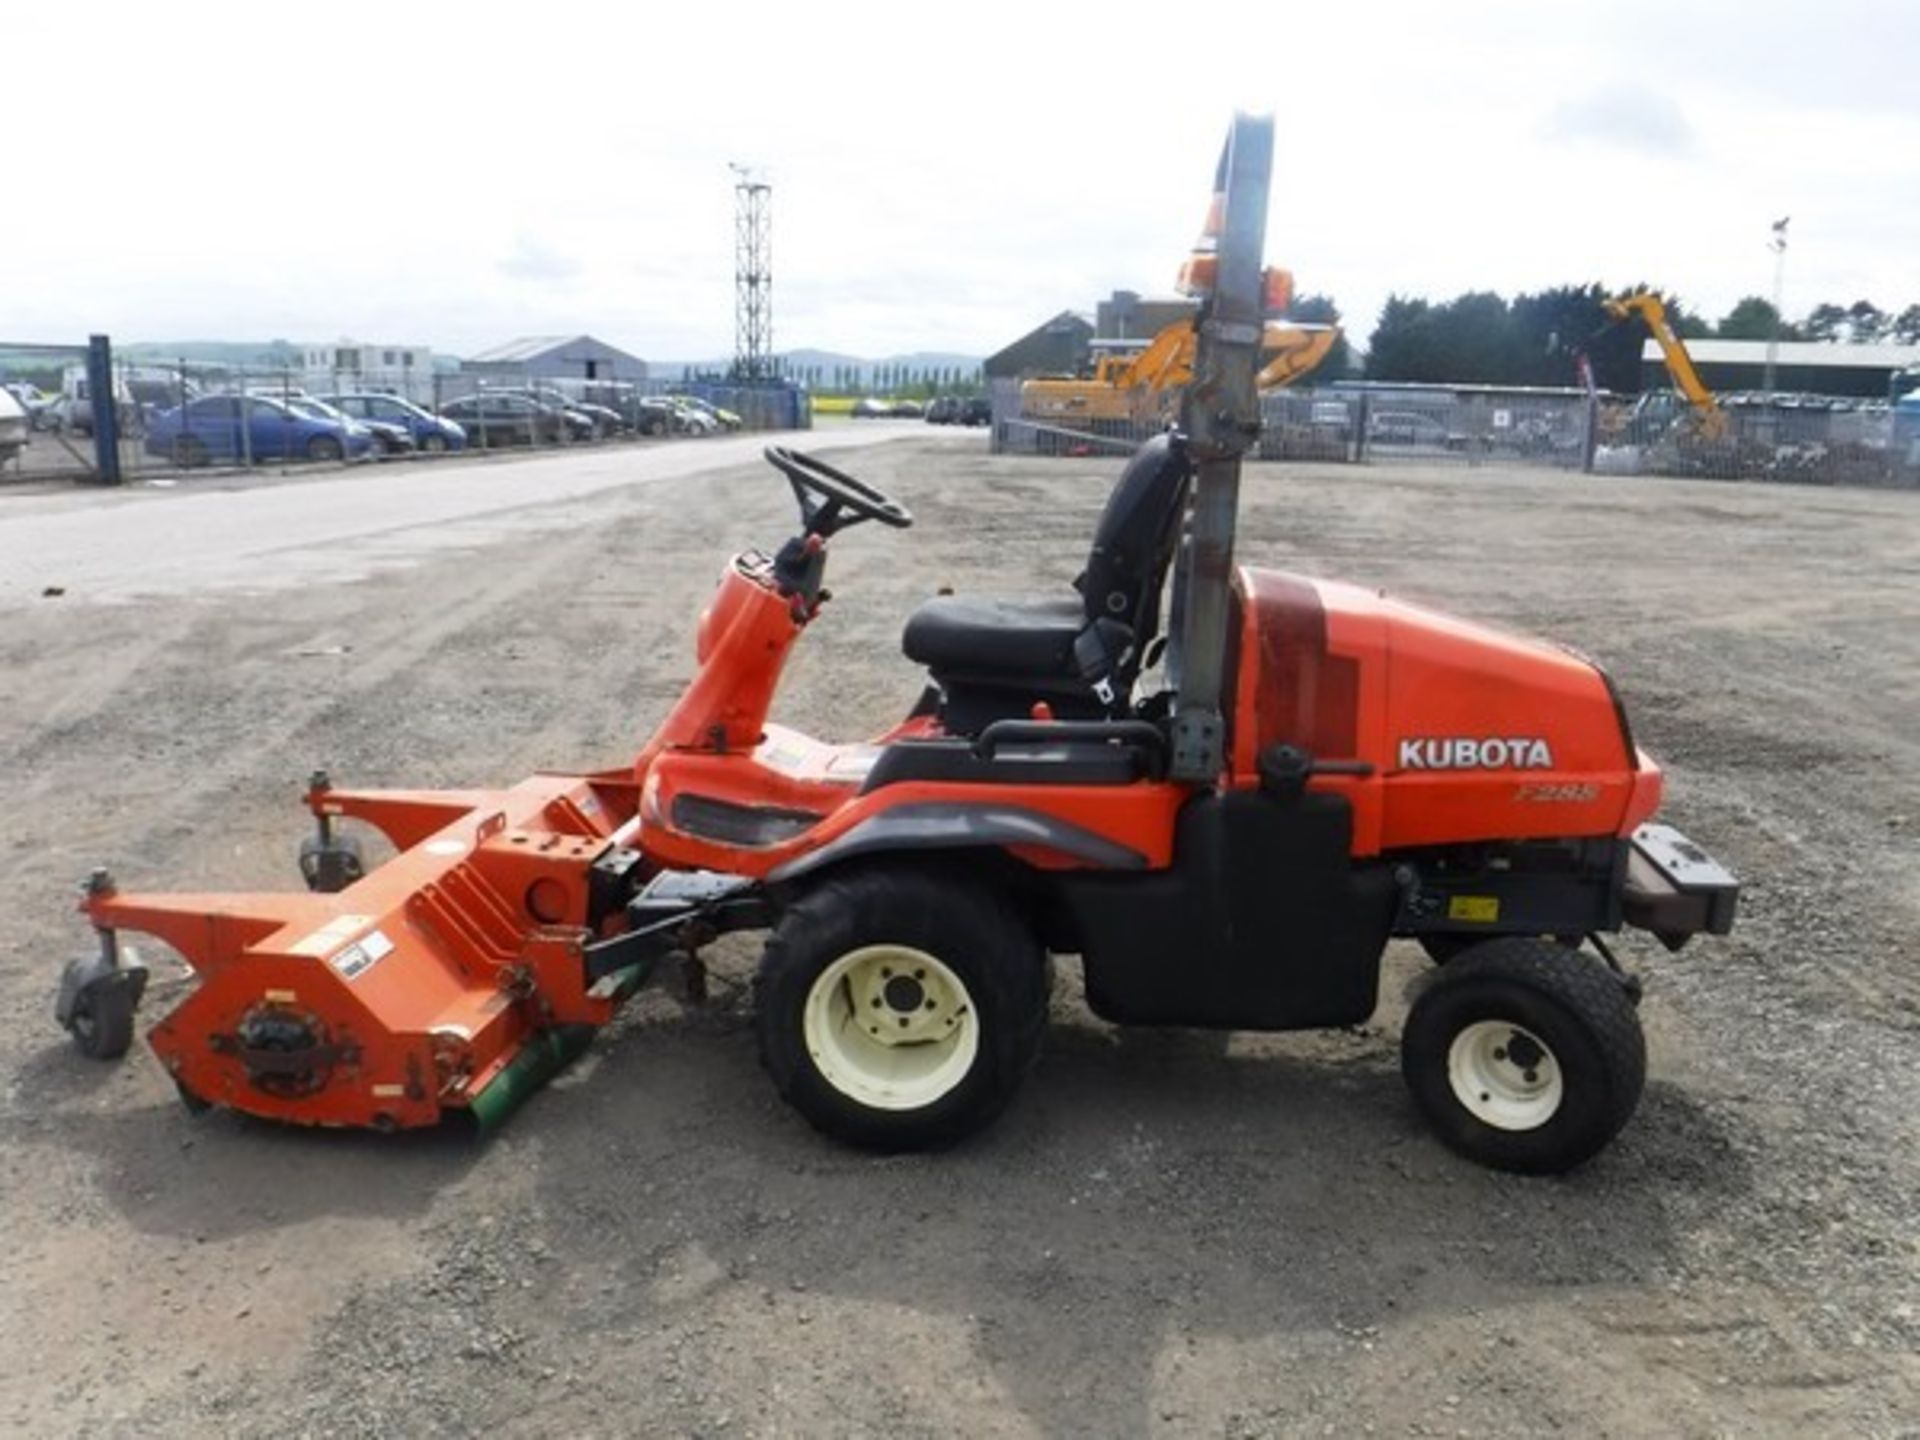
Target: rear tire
{"points": [[1525, 1055], [901, 1009]]}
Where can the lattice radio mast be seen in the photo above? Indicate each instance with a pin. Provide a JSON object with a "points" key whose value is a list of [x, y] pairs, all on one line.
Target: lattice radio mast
{"points": [[752, 274]]}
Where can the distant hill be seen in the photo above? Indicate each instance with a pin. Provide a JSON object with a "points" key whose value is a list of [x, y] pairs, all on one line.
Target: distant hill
{"points": [[256, 354]]}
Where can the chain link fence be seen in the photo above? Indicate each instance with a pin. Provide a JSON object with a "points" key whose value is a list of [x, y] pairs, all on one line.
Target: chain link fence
{"points": [[1804, 439], [190, 416]]}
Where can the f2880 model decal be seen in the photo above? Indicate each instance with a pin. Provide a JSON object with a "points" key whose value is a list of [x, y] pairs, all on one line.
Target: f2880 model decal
{"points": [[1462, 753]]}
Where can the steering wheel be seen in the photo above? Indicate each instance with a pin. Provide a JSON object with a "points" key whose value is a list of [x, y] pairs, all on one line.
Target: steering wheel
{"points": [[830, 499]]}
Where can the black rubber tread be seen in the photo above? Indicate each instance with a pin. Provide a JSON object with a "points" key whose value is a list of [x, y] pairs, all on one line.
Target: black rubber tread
{"points": [[1443, 945], [1568, 998], [325, 447], [102, 1023], [966, 922]]}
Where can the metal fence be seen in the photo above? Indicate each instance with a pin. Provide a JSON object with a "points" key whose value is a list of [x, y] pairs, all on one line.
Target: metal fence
{"points": [[46, 413], [1806, 439], [181, 415]]}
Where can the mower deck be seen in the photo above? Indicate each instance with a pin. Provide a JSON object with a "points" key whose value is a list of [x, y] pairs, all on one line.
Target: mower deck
{"points": [[411, 991]]}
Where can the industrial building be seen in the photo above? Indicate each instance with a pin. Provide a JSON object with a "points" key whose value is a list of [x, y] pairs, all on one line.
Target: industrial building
{"points": [[1064, 345], [348, 365], [1807, 367], [557, 357]]}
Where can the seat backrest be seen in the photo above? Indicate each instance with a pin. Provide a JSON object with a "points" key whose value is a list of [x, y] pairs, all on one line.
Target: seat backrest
{"points": [[1134, 542]]}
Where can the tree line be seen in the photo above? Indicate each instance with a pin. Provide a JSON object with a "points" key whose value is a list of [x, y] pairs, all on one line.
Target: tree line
{"points": [[899, 380], [1483, 338]]}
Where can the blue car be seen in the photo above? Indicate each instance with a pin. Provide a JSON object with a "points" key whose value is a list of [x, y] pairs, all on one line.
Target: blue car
{"points": [[251, 427], [430, 432]]}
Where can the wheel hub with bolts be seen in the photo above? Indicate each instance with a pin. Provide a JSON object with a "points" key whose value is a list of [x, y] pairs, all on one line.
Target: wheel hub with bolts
{"points": [[891, 1027], [1505, 1075]]}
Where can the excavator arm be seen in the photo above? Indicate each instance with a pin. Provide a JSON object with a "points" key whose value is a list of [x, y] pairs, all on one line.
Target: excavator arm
{"points": [[1291, 351], [1673, 349], [1288, 350]]}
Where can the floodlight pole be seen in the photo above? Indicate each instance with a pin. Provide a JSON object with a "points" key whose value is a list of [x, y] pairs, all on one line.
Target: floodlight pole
{"points": [[1779, 247], [1220, 415]]}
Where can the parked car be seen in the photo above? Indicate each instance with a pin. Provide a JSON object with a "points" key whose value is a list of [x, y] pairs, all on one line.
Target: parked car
{"points": [[722, 419], [869, 408], [496, 417], [906, 409], [233, 427], [976, 410], [13, 426], [943, 410], [603, 419], [431, 433], [32, 399], [388, 439], [689, 421], [1410, 427], [657, 415]]}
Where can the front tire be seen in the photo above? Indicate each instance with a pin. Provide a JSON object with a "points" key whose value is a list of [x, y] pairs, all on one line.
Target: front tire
{"points": [[324, 448], [102, 1022], [901, 1009], [1525, 1055]]}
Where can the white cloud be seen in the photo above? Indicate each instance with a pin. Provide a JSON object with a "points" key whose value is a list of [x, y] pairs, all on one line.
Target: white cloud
{"points": [[1632, 118], [456, 175]]}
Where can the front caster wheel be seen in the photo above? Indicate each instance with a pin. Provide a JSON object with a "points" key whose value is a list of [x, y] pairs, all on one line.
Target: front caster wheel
{"points": [[1525, 1055], [901, 1010], [331, 865], [97, 1004]]}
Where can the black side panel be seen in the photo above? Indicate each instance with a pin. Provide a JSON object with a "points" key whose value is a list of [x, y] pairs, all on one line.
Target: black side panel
{"points": [[753, 826], [1261, 923]]}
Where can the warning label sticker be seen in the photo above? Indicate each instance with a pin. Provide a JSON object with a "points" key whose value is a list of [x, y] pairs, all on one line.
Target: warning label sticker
{"points": [[359, 958], [330, 935], [1484, 909]]}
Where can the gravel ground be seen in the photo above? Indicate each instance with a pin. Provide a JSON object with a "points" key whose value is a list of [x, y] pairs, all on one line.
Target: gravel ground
{"points": [[1169, 1233]]}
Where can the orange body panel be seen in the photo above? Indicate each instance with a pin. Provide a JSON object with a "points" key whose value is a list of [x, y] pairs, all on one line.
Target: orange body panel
{"points": [[1473, 734]]}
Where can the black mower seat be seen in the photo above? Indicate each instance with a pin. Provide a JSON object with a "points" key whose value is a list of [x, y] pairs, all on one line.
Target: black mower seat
{"points": [[965, 635], [1081, 652]]}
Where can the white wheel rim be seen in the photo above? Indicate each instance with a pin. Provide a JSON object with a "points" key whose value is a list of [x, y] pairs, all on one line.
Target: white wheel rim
{"points": [[891, 1027], [1505, 1075]]}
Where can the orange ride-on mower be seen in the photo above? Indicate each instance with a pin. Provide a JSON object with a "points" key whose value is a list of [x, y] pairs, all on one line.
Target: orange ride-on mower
{"points": [[1322, 769]]}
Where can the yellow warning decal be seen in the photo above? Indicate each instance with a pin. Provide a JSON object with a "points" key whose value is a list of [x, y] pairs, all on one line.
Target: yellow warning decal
{"points": [[1482, 909]]}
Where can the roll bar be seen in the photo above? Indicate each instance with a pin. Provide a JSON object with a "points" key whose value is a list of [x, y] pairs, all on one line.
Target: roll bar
{"points": [[1220, 414]]}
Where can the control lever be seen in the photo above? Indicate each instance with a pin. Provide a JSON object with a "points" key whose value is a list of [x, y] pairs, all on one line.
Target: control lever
{"points": [[1285, 770]]}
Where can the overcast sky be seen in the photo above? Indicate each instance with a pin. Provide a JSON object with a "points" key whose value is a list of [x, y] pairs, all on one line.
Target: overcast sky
{"points": [[945, 176]]}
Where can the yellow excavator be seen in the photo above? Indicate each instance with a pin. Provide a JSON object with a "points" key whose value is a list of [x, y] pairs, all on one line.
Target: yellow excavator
{"points": [[1709, 420], [1144, 387]]}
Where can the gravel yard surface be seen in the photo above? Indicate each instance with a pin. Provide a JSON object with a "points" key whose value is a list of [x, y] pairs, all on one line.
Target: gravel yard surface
{"points": [[1169, 1233]]}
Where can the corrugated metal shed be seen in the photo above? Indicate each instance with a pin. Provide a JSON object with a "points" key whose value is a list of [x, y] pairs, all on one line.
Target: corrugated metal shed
{"points": [[1817, 353], [1813, 367], [1057, 347], [576, 357]]}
